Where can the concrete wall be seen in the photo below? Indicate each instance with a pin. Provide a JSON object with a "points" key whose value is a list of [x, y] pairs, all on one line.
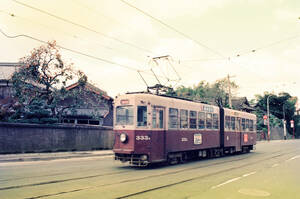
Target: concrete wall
{"points": [[22, 138], [276, 134]]}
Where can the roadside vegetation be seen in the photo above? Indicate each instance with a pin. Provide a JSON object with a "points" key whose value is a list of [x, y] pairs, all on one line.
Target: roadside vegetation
{"points": [[40, 85]]}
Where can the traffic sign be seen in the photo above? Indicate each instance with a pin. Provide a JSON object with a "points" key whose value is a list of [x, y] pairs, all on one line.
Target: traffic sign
{"points": [[265, 119], [292, 123]]}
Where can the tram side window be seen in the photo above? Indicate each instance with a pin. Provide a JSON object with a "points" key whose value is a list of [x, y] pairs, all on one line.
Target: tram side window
{"points": [[154, 124], [124, 115], [215, 121], [142, 116], [227, 122], [209, 120], [183, 118], [161, 119], [201, 121], [173, 118], [238, 123], [232, 123], [251, 125], [247, 125], [243, 124], [193, 119]]}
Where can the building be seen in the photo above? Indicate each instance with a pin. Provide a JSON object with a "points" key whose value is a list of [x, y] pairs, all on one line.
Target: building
{"points": [[6, 71], [242, 104], [96, 109], [7, 102]]}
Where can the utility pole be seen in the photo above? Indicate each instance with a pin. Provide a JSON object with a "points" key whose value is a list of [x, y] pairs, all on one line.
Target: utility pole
{"points": [[229, 90], [268, 113], [284, 123]]}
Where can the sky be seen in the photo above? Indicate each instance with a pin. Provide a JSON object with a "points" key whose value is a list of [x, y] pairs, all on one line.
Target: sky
{"points": [[256, 42]]}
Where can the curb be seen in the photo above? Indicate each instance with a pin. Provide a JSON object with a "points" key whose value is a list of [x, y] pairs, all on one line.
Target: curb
{"points": [[52, 156]]}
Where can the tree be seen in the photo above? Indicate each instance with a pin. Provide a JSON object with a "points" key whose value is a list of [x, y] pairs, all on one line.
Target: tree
{"points": [[281, 106], [40, 84], [216, 93]]}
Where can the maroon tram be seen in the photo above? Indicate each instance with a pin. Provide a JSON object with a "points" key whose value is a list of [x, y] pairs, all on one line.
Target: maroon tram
{"points": [[153, 128]]}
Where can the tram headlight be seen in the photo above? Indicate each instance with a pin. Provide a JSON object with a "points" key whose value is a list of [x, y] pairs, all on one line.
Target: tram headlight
{"points": [[123, 137], [144, 157]]}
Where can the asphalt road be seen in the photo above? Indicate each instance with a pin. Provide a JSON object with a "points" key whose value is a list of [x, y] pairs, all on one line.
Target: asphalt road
{"points": [[271, 171]]}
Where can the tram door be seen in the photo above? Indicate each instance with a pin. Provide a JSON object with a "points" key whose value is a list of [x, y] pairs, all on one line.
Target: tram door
{"points": [[158, 133], [239, 133]]}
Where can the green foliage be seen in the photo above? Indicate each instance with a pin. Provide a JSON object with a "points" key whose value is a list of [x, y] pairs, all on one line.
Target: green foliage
{"points": [[281, 106], [216, 93], [40, 84]]}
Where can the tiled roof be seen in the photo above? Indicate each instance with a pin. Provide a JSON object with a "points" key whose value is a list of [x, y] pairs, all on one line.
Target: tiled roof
{"points": [[91, 88]]}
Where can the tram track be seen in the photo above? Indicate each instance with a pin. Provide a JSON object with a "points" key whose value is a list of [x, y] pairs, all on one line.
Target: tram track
{"points": [[106, 174], [143, 178], [52, 175], [198, 177]]}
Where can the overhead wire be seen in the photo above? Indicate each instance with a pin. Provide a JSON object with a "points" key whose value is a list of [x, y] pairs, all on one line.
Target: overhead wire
{"points": [[258, 75], [187, 36], [177, 31], [80, 53], [71, 50], [73, 36], [111, 19], [100, 14], [158, 20], [202, 60], [269, 45], [82, 26], [174, 29], [85, 27]]}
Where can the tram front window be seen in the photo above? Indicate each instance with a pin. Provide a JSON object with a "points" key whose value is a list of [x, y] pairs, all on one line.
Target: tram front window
{"points": [[142, 115], [124, 115]]}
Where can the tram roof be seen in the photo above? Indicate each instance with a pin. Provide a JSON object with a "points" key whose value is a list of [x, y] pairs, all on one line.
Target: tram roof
{"points": [[168, 96], [227, 110]]}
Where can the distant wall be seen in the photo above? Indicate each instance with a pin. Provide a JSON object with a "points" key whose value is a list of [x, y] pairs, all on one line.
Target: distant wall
{"points": [[275, 132], [22, 138]]}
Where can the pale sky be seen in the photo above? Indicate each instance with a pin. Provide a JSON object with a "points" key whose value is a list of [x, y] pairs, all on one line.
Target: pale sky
{"points": [[226, 27]]}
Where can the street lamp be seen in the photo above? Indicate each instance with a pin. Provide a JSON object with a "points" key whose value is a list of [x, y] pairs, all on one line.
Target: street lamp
{"points": [[268, 113]]}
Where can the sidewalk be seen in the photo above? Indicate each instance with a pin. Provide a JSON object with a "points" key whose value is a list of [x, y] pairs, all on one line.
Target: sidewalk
{"points": [[22, 157]]}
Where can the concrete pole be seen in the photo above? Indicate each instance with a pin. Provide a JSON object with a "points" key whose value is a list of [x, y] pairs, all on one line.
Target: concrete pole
{"points": [[268, 113], [229, 91], [284, 123], [284, 129]]}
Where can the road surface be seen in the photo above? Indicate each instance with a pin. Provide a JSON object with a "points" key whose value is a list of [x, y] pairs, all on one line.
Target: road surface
{"points": [[271, 171]]}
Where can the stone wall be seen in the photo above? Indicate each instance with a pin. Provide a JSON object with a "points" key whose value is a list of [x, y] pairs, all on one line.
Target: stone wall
{"points": [[22, 138]]}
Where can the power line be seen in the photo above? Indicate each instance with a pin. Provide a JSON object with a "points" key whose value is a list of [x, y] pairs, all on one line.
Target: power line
{"points": [[172, 28], [99, 14], [80, 53], [82, 26], [69, 34], [83, 39], [269, 45], [202, 60], [71, 50]]}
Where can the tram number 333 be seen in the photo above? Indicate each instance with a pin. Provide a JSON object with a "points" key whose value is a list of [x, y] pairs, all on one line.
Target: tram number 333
{"points": [[142, 137]]}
